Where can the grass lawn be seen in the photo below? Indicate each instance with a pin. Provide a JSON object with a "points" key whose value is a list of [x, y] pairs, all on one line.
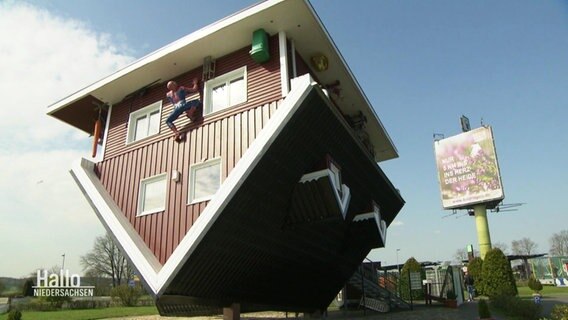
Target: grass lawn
{"points": [[87, 313], [547, 291]]}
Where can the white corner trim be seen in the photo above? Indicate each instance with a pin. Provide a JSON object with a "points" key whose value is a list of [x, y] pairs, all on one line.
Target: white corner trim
{"points": [[315, 175], [113, 219], [343, 202], [283, 50], [375, 215]]}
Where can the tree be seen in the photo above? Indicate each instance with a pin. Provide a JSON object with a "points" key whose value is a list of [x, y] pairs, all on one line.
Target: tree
{"points": [[497, 275], [559, 244], [411, 265], [475, 269], [105, 259], [535, 284], [128, 296], [28, 290], [1, 287], [502, 246], [525, 246], [460, 255]]}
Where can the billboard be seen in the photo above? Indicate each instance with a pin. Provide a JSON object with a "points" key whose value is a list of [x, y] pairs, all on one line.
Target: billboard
{"points": [[468, 171]]}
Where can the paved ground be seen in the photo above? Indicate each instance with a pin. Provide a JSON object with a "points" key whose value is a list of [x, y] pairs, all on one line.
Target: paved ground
{"points": [[466, 311]]}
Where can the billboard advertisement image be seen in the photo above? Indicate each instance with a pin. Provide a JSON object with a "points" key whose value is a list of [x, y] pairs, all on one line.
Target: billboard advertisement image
{"points": [[468, 171]]}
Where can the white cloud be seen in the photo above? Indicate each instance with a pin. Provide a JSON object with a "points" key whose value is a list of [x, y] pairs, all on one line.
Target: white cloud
{"points": [[396, 223], [44, 58]]}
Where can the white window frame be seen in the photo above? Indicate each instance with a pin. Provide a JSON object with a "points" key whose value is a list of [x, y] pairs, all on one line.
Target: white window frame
{"points": [[146, 111], [226, 79], [142, 194], [192, 170]]}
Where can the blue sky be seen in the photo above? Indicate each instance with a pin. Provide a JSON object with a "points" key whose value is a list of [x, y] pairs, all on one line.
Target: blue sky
{"points": [[422, 64]]}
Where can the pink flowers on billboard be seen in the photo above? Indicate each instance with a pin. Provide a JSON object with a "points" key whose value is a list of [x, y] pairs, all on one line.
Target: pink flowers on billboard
{"points": [[468, 171]]}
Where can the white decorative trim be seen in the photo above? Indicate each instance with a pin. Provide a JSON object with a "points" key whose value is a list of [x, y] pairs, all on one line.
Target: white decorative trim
{"points": [[376, 215], [114, 221], [284, 78], [342, 201], [159, 277], [101, 155]]}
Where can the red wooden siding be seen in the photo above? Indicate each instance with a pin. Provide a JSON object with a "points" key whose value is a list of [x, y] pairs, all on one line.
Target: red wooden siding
{"points": [[301, 66], [263, 86], [226, 134], [227, 138]]}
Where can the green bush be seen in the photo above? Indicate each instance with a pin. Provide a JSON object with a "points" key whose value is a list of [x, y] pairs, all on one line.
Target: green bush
{"points": [[37, 304], [497, 275], [483, 309], [15, 315], [56, 301], [411, 265], [128, 296], [475, 269], [516, 308], [535, 284], [559, 312]]}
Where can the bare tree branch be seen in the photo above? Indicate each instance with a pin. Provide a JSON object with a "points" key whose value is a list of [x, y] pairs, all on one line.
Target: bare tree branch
{"points": [[559, 243], [105, 259]]}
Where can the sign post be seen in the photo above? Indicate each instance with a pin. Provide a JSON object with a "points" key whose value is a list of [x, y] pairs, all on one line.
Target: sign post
{"points": [[482, 225], [415, 281]]}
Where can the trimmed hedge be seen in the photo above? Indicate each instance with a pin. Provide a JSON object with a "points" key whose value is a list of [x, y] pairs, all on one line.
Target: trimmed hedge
{"points": [[517, 308], [498, 279]]}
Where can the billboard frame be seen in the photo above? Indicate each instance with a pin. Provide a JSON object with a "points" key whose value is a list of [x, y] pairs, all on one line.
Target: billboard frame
{"points": [[468, 170]]}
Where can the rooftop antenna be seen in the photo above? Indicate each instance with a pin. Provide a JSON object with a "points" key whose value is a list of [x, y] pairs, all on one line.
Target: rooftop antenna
{"points": [[464, 121], [438, 136]]}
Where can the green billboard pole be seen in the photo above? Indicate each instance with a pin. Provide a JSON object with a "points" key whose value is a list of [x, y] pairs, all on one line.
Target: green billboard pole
{"points": [[482, 225]]}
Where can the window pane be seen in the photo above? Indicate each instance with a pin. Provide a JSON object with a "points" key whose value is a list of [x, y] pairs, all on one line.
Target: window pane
{"points": [[154, 122], [238, 92], [219, 98], [141, 128], [206, 181], [154, 195]]}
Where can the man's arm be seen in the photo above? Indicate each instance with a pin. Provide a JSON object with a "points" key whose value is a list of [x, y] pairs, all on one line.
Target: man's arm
{"points": [[194, 88]]}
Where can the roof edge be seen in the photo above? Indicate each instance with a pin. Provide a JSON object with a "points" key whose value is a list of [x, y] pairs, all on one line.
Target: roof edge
{"points": [[161, 52]]}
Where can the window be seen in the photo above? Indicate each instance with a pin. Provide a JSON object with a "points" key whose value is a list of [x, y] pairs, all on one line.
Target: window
{"points": [[152, 197], [205, 180], [226, 91], [144, 122]]}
